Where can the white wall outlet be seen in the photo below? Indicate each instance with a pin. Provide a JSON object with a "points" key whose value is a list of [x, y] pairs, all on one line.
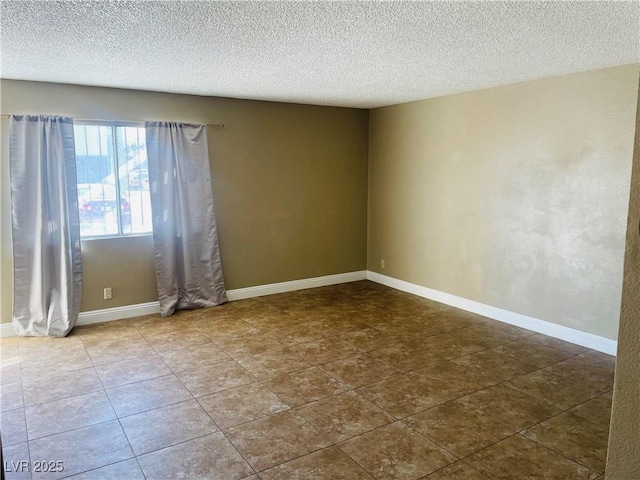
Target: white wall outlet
{"points": [[107, 294], [382, 264]]}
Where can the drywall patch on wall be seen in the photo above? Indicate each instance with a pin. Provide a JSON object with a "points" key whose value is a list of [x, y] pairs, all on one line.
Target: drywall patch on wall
{"points": [[585, 339]]}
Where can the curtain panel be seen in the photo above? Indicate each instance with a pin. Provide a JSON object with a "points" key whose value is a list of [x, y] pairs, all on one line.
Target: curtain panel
{"points": [[187, 255], [45, 225]]}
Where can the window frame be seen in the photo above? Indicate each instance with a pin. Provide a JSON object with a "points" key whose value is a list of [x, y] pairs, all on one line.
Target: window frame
{"points": [[112, 124]]}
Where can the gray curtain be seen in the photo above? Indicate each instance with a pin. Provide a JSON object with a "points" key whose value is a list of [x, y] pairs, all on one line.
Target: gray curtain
{"points": [[187, 256], [45, 226]]}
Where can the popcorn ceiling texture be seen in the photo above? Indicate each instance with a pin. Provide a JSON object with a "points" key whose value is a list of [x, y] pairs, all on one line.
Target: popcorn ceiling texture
{"points": [[354, 54]]}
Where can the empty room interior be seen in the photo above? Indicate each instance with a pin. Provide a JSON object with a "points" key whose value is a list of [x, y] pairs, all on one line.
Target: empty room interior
{"points": [[320, 240]]}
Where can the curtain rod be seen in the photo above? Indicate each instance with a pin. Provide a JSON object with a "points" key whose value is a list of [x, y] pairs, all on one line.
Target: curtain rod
{"points": [[215, 125]]}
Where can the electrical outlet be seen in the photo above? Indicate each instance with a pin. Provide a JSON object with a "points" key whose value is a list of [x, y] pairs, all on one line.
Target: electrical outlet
{"points": [[107, 294], [382, 264]]}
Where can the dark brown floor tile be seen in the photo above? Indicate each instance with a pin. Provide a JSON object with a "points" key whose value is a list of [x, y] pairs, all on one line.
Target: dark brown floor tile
{"points": [[110, 335], [458, 429], [304, 386], [324, 350], [509, 407], [228, 328], [369, 339], [83, 449], [492, 335], [246, 345], [597, 410], [177, 340], [402, 395], [62, 385], [443, 322], [344, 416], [68, 414], [566, 347], [166, 426], [590, 369], [457, 471], [446, 346], [574, 437], [269, 320], [405, 357], [211, 457], [272, 363], [558, 390], [162, 326], [493, 365], [396, 452], [13, 427], [276, 439], [51, 346], [242, 404], [359, 370], [146, 395], [532, 353], [45, 365], [215, 378], [503, 327], [301, 332], [518, 457], [328, 464], [340, 324], [599, 359], [16, 461], [407, 327], [131, 371], [118, 351], [129, 470], [450, 379], [194, 357]]}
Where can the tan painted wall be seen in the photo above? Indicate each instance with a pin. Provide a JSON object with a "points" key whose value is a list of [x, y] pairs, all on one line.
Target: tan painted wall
{"points": [[623, 459], [515, 196], [289, 181]]}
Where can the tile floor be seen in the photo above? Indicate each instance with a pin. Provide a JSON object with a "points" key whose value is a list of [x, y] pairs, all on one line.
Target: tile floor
{"points": [[352, 381]]}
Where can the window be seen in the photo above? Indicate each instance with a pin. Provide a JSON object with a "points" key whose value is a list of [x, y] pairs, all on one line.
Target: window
{"points": [[113, 180]]}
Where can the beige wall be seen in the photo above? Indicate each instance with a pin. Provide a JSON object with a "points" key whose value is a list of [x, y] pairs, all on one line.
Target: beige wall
{"points": [[623, 459], [515, 196], [289, 181]]}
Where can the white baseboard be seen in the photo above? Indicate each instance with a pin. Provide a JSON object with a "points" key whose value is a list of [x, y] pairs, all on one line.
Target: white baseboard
{"points": [[117, 313], [128, 311], [7, 330], [572, 335], [282, 287]]}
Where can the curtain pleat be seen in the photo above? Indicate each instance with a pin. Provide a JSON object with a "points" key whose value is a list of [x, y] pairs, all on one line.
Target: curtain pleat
{"points": [[187, 255], [45, 226]]}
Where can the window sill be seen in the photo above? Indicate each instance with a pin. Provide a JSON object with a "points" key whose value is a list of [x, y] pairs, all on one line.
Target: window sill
{"points": [[116, 237]]}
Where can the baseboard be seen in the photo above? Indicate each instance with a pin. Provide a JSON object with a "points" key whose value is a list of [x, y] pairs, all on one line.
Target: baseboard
{"points": [[117, 313], [578, 337], [128, 311], [6, 330], [282, 287]]}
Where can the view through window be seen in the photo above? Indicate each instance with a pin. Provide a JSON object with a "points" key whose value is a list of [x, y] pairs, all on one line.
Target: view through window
{"points": [[113, 180]]}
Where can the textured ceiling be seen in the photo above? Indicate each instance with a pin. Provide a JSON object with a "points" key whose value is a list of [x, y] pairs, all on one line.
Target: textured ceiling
{"points": [[357, 54]]}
